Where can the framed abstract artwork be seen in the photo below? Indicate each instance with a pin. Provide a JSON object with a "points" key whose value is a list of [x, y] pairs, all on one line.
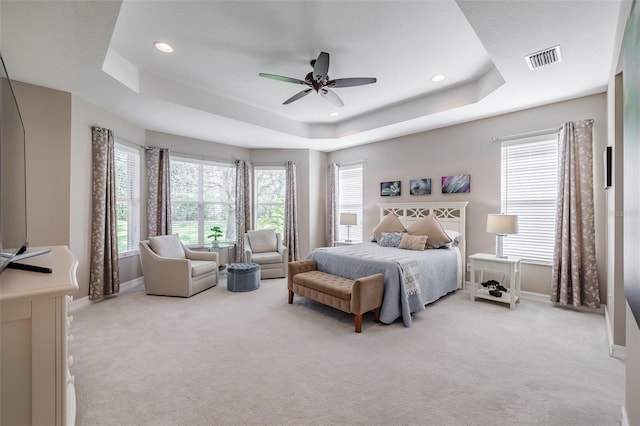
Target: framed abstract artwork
{"points": [[456, 184], [420, 186], [390, 189]]}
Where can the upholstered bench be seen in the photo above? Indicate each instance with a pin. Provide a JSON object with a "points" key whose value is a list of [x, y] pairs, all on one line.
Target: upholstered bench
{"points": [[351, 296]]}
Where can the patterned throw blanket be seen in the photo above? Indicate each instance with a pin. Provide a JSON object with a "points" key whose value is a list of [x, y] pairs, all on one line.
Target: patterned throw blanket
{"points": [[409, 267]]}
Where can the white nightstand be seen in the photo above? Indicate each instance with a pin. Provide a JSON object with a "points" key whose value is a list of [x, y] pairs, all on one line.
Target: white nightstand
{"points": [[345, 243], [481, 262]]}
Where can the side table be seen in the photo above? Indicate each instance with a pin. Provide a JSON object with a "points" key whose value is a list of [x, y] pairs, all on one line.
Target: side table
{"points": [[481, 262], [345, 243], [224, 247]]}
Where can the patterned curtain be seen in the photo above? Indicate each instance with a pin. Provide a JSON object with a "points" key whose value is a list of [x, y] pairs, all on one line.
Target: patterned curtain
{"points": [[158, 192], [291, 214], [332, 207], [104, 278], [244, 204], [574, 274]]}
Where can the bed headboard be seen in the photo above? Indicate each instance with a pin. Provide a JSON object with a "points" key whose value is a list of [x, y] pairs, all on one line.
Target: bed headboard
{"points": [[451, 216]]}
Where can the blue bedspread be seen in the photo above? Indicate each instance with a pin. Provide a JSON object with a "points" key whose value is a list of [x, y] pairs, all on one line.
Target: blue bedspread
{"points": [[436, 272]]}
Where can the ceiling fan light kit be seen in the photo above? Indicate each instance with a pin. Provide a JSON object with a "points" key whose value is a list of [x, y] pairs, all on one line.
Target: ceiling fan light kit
{"points": [[319, 81]]}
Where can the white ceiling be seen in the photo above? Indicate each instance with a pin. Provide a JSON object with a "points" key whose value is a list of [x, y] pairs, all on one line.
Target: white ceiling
{"points": [[209, 88]]}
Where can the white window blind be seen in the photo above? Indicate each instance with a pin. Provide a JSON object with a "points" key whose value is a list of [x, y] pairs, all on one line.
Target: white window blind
{"points": [[127, 173], [350, 180], [270, 185], [202, 196], [529, 185]]}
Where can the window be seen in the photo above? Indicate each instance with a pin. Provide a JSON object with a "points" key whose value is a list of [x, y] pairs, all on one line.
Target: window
{"points": [[529, 182], [202, 196], [127, 166], [270, 196], [350, 200]]}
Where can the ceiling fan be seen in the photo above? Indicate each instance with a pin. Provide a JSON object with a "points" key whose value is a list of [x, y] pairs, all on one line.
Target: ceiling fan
{"points": [[318, 80]]}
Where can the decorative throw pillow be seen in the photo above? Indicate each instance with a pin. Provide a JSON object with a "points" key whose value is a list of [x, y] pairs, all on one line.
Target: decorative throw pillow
{"points": [[430, 227], [390, 223], [263, 240], [391, 239], [167, 246], [455, 239], [413, 242]]}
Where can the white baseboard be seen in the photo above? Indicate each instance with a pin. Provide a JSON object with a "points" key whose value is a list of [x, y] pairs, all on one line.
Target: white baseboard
{"points": [[615, 351], [84, 301]]}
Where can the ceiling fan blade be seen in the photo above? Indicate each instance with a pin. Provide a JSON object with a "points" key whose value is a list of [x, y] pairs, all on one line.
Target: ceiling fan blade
{"points": [[283, 78], [297, 96], [350, 82], [331, 96], [321, 67]]}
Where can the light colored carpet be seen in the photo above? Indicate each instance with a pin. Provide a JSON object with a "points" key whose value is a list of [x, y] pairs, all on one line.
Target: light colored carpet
{"points": [[228, 358]]}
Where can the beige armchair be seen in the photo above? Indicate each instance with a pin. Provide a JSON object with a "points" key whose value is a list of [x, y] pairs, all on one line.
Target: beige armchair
{"points": [[265, 248], [171, 269]]}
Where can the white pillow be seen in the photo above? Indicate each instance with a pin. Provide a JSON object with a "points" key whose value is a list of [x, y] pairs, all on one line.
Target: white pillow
{"points": [[167, 246]]}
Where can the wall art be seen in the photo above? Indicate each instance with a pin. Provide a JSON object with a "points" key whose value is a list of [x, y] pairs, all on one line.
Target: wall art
{"points": [[390, 189], [456, 184], [420, 186]]}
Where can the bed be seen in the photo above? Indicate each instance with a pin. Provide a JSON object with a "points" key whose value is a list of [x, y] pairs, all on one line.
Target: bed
{"points": [[413, 278]]}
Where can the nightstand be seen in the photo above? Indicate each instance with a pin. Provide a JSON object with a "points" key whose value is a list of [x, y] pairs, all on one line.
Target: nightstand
{"points": [[482, 262], [345, 243]]}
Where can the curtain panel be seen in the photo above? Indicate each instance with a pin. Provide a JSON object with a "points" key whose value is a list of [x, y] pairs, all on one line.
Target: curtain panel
{"points": [[574, 272], [104, 275], [158, 191], [291, 213], [332, 204], [244, 204]]}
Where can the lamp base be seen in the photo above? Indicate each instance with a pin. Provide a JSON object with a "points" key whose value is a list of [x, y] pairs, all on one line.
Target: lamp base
{"points": [[499, 253]]}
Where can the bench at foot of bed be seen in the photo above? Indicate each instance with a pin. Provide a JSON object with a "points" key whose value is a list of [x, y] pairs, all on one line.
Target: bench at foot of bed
{"points": [[351, 296]]}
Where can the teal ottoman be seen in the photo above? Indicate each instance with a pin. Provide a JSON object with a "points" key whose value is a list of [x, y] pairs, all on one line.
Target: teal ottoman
{"points": [[243, 276]]}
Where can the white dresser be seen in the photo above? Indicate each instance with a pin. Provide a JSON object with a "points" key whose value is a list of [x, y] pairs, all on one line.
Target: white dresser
{"points": [[36, 383]]}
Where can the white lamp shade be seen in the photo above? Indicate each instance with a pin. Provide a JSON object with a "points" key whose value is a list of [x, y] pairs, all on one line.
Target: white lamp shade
{"points": [[348, 219], [502, 224]]}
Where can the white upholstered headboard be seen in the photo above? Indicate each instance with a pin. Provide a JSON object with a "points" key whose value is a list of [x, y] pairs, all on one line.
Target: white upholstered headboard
{"points": [[451, 216]]}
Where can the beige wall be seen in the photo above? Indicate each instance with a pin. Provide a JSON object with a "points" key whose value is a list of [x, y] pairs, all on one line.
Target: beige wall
{"points": [[47, 120], [468, 149]]}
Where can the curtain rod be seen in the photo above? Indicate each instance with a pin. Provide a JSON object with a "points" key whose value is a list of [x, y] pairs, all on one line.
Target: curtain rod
{"points": [[532, 134], [196, 157], [525, 135]]}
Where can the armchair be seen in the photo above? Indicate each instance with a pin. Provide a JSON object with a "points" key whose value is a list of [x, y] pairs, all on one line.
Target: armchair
{"points": [[171, 269], [265, 248]]}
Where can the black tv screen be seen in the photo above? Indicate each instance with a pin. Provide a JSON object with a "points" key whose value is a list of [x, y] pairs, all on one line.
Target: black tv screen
{"points": [[13, 199]]}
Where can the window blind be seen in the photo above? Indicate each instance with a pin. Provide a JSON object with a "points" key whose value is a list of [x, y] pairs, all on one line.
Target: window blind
{"points": [[350, 180], [127, 174], [529, 185]]}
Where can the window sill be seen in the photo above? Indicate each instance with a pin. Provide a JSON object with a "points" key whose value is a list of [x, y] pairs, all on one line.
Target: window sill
{"points": [[129, 253]]}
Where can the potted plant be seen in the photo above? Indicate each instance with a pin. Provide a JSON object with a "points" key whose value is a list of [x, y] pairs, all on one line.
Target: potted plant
{"points": [[494, 287], [216, 232]]}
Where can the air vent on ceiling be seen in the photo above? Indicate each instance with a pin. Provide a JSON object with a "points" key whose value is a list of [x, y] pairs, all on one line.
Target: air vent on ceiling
{"points": [[543, 58]]}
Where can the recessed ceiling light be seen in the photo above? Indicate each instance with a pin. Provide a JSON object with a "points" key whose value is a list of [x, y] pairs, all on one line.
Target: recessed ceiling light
{"points": [[334, 114], [163, 47], [438, 77]]}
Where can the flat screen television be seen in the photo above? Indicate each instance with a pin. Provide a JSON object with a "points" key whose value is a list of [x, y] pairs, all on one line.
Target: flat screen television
{"points": [[13, 180]]}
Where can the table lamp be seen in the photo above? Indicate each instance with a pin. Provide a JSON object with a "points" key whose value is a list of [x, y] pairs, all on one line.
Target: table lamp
{"points": [[501, 225], [348, 219]]}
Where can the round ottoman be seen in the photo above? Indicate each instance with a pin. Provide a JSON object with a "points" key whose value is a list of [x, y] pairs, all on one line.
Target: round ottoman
{"points": [[243, 276]]}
